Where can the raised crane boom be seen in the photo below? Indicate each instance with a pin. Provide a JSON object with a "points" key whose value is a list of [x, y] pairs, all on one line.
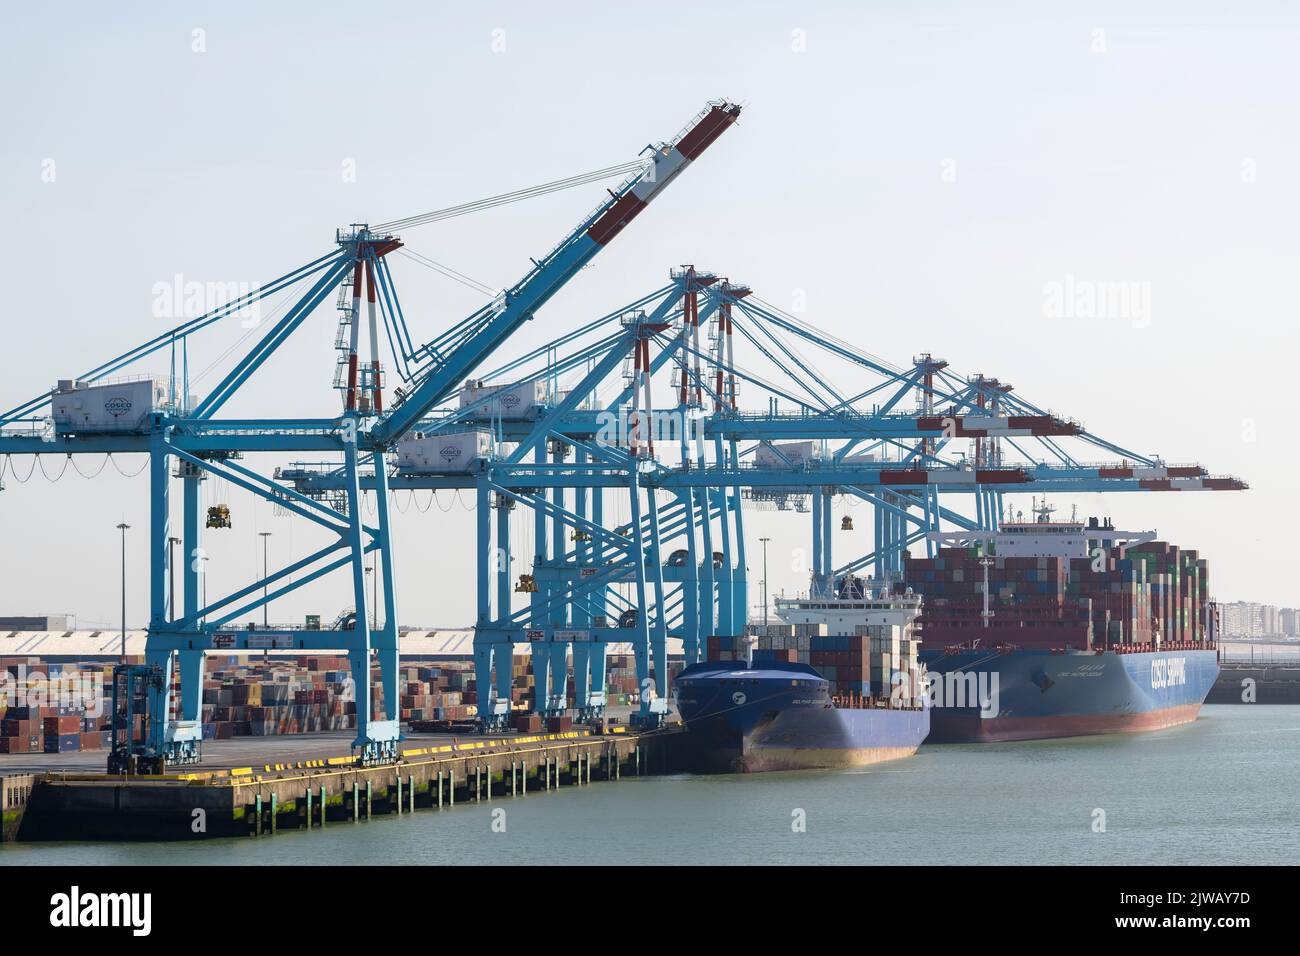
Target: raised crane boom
{"points": [[491, 326]]}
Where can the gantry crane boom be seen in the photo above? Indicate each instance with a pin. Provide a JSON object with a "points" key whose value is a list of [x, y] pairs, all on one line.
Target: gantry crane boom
{"points": [[492, 325]]}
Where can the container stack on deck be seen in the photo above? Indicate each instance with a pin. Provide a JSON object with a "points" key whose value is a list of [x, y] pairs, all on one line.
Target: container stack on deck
{"points": [[893, 650], [1139, 596], [857, 666], [1180, 582], [719, 647], [792, 643]]}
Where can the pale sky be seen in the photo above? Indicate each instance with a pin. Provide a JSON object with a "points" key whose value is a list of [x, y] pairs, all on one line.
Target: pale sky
{"points": [[918, 175]]}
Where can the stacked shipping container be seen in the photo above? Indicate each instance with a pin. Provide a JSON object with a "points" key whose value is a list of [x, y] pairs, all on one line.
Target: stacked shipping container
{"points": [[54, 707], [250, 696], [1139, 596], [858, 666]]}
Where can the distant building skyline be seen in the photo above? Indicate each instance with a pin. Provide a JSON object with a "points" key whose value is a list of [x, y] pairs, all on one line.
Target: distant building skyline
{"points": [[1253, 619]]}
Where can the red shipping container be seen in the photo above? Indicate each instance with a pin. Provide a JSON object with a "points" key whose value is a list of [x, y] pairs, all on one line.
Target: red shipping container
{"points": [[558, 725], [527, 723], [62, 726]]}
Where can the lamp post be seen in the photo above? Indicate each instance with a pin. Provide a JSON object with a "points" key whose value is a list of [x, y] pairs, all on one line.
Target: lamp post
{"points": [[266, 607], [171, 576], [765, 541], [374, 596], [203, 572], [123, 527]]}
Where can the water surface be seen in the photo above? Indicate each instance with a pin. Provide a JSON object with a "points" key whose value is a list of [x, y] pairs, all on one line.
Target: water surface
{"points": [[1220, 791]]}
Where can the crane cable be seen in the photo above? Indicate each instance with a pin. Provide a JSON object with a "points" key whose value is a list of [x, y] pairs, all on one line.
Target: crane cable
{"points": [[46, 474], [8, 464], [14, 471], [450, 212], [470, 283], [102, 465], [118, 468]]}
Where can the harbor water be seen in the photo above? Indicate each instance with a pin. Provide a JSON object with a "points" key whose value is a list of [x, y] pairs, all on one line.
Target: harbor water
{"points": [[1218, 791]]}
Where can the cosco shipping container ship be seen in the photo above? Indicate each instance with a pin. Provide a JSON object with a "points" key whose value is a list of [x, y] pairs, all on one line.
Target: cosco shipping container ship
{"points": [[1060, 628]]}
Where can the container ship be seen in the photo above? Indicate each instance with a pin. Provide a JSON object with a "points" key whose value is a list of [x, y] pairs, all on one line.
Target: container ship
{"points": [[1060, 628], [793, 696]]}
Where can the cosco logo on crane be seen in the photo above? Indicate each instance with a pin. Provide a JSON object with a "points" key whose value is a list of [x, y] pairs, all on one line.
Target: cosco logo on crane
{"points": [[449, 453], [1168, 672], [117, 406], [510, 400]]}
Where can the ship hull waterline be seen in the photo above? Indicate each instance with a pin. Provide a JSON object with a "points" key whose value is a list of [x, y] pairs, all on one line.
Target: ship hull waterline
{"points": [[1044, 695]]}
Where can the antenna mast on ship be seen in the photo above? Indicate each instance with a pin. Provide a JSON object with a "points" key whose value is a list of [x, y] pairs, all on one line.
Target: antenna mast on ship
{"points": [[1042, 510]]}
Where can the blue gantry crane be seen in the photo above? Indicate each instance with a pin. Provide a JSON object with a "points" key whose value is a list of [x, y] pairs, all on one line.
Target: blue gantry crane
{"points": [[185, 439]]}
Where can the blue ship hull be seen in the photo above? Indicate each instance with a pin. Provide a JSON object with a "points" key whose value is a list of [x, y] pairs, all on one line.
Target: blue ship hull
{"points": [[780, 716], [1043, 694]]}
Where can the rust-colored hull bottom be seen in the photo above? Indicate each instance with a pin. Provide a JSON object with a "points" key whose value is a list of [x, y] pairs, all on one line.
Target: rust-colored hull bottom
{"points": [[817, 758]]}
